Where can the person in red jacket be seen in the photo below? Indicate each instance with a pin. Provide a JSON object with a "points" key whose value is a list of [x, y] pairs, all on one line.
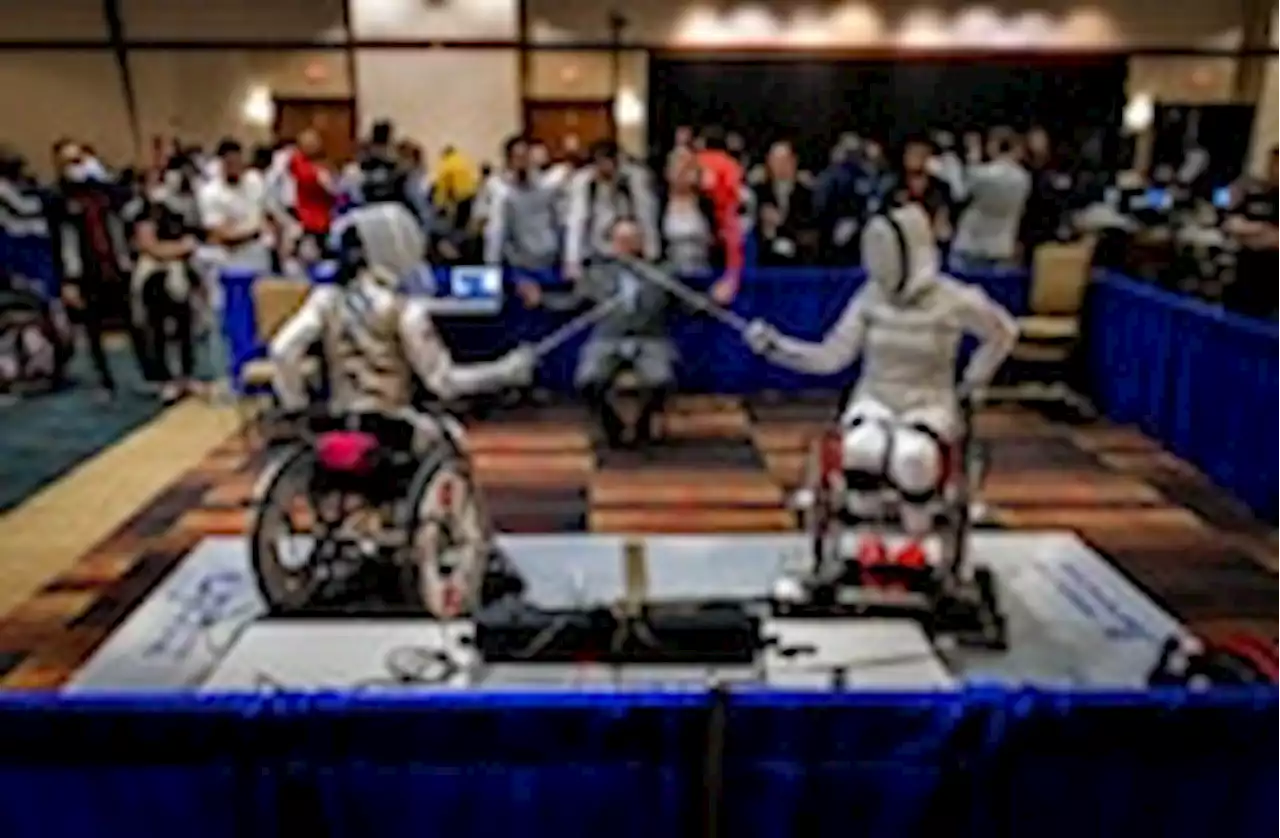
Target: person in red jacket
{"points": [[722, 179], [313, 191]]}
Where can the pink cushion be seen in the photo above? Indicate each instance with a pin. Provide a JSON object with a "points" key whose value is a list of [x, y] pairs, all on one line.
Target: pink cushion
{"points": [[347, 451]]}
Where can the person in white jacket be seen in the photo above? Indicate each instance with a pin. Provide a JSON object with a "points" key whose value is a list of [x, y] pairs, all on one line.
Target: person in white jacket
{"points": [[608, 190], [906, 324], [986, 235]]}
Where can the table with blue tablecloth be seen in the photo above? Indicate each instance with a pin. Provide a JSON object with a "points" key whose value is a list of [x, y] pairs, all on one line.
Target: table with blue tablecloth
{"points": [[803, 302]]}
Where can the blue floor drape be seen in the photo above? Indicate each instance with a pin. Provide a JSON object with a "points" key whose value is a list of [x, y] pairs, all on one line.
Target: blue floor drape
{"points": [[1201, 381], [973, 763]]}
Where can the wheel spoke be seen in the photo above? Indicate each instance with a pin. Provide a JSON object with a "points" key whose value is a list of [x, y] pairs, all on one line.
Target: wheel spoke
{"points": [[448, 544]]}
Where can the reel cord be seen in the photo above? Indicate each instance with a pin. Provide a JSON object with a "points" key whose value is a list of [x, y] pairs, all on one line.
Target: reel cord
{"points": [[414, 666], [406, 666]]}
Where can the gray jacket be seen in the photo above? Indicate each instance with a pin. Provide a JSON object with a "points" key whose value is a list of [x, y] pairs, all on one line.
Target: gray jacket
{"points": [[644, 311], [997, 194], [523, 228]]}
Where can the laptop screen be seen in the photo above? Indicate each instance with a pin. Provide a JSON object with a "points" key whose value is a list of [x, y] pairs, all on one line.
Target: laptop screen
{"points": [[476, 282]]}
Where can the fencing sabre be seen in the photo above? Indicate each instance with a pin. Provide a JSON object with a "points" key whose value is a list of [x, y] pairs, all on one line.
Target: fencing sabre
{"points": [[686, 294], [578, 324]]}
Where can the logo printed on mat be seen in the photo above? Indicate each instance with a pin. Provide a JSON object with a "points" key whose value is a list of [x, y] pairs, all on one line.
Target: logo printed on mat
{"points": [[1102, 608]]}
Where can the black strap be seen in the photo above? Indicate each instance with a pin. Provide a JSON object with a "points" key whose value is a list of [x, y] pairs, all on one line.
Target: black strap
{"points": [[900, 238]]}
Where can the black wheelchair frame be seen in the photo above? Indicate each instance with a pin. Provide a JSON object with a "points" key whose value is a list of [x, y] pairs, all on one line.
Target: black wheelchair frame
{"points": [[945, 599], [22, 311]]}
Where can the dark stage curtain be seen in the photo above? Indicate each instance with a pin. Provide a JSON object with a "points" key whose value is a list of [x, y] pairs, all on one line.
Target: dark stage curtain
{"points": [[811, 102]]}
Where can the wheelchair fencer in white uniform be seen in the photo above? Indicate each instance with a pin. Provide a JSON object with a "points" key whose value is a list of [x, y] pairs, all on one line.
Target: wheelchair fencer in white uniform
{"points": [[904, 416], [375, 340]]}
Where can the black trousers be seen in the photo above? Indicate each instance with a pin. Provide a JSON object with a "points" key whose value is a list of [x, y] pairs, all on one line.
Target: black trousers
{"points": [[90, 316], [597, 395], [1254, 293], [162, 312]]}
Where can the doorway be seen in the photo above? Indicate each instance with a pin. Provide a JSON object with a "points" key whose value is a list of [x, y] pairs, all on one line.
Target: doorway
{"points": [[569, 127], [334, 119]]}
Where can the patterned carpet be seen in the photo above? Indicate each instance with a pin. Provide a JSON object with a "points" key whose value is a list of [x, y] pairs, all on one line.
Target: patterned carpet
{"points": [[724, 466], [46, 436]]}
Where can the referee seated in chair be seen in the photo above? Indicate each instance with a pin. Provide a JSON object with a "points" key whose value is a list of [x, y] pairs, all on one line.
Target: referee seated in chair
{"points": [[629, 348]]}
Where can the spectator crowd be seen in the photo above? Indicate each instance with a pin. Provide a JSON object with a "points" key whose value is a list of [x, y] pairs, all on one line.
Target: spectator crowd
{"points": [[134, 246]]}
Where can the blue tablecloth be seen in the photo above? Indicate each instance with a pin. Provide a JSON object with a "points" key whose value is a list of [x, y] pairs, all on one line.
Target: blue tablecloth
{"points": [[803, 302], [29, 257], [975, 763]]}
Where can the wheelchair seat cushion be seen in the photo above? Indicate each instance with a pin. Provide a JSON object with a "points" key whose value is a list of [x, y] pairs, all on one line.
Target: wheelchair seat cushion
{"points": [[347, 452]]}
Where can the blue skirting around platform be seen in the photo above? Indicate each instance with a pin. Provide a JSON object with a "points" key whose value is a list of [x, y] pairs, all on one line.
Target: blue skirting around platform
{"points": [[976, 763], [1199, 380]]}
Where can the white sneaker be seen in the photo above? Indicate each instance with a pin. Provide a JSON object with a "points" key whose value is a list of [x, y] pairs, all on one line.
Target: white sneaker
{"points": [[802, 499], [788, 589]]}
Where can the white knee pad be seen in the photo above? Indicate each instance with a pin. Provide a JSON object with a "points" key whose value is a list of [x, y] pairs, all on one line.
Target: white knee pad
{"points": [[867, 437], [865, 447], [915, 465]]}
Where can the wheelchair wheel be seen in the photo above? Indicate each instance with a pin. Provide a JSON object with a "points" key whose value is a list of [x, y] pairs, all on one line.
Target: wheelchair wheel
{"points": [[34, 349], [448, 538], [288, 573]]}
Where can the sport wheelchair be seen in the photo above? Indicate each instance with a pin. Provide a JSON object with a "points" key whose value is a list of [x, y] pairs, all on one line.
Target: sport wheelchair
{"points": [[36, 342], [949, 597], [353, 489]]}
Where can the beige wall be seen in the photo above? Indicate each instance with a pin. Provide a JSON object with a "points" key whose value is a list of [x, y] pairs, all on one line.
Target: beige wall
{"points": [[467, 98], [201, 96], [47, 95], [51, 20], [1192, 81], [52, 94], [258, 20], [1265, 128], [575, 76]]}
